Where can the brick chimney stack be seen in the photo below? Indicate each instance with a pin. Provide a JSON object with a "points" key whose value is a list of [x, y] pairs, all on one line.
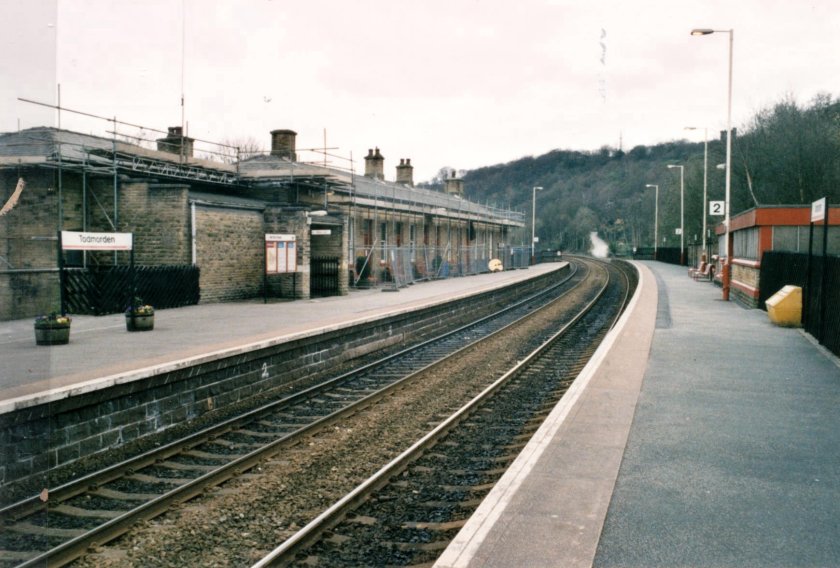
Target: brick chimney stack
{"points": [[405, 172], [375, 165], [283, 144], [172, 143]]}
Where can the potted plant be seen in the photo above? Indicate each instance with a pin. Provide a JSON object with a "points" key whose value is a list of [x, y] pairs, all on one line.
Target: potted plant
{"points": [[52, 329], [139, 316]]}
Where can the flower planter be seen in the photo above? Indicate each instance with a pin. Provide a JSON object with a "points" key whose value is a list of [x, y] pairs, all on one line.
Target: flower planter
{"points": [[52, 334], [139, 322]]}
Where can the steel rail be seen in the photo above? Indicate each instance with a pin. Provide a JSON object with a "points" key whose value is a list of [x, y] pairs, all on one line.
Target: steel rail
{"points": [[113, 528], [311, 532], [76, 487]]}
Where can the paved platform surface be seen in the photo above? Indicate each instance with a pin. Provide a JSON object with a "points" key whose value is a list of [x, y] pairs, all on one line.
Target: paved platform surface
{"points": [[702, 435], [101, 350]]}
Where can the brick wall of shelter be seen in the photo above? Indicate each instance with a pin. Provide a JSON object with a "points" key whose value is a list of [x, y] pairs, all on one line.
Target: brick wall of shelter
{"points": [[748, 276]]}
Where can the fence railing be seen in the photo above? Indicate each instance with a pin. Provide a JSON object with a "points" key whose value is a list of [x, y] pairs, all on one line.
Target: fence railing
{"points": [[820, 282], [109, 289], [671, 255]]}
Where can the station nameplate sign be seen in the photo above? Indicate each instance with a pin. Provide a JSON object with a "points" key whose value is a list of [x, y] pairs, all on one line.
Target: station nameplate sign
{"points": [[322, 231], [77, 240]]}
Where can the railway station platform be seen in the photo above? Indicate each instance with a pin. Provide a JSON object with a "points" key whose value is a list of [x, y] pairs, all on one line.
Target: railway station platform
{"points": [[699, 435], [101, 352]]}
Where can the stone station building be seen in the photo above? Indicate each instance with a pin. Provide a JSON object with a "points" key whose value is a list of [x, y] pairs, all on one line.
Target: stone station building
{"points": [[348, 229]]}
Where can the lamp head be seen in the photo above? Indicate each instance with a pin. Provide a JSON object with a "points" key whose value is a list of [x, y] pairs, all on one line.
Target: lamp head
{"points": [[673, 166], [701, 31], [538, 188], [651, 185]]}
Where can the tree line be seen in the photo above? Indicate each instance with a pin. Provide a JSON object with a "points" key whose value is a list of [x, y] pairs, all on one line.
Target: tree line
{"points": [[786, 154]]}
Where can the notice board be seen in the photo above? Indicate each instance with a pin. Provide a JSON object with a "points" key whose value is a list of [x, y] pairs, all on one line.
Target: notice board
{"points": [[280, 253]]}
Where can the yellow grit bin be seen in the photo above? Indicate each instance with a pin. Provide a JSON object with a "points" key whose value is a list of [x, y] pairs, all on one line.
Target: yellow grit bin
{"points": [[785, 307]]}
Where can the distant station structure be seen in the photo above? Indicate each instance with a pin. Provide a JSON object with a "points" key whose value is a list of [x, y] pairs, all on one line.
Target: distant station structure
{"points": [[225, 228], [781, 228]]}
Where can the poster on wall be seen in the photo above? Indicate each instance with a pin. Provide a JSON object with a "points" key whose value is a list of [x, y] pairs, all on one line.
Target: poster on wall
{"points": [[280, 254]]}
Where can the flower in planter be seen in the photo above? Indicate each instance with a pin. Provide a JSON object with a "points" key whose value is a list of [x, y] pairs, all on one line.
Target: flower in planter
{"points": [[138, 308], [51, 320]]}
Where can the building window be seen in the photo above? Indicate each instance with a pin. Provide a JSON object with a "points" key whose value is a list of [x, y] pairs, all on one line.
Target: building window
{"points": [[383, 238], [745, 244], [788, 239], [367, 232]]}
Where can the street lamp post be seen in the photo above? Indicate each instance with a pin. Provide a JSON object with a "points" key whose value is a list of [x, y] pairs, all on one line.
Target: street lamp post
{"points": [[682, 211], [533, 219], [705, 178], [655, 218], [727, 266]]}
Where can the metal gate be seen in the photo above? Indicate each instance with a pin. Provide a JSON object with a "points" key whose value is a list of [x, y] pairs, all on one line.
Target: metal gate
{"points": [[323, 276]]}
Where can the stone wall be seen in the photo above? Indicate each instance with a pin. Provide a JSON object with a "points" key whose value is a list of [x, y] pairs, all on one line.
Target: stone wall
{"points": [[157, 214], [159, 217], [25, 294], [29, 245], [230, 252]]}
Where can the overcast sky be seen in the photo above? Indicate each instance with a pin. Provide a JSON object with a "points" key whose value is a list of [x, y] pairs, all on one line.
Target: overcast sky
{"points": [[460, 83]]}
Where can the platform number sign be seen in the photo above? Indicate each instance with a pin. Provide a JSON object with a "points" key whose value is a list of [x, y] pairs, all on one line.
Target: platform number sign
{"points": [[717, 207]]}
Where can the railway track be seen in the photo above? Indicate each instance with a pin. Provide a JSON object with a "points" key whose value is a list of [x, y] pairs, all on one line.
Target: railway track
{"points": [[104, 505], [409, 511]]}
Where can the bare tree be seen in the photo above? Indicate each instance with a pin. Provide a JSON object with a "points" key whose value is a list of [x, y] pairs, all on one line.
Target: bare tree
{"points": [[233, 149]]}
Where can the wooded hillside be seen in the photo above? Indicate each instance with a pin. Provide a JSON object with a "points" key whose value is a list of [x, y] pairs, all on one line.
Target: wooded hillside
{"points": [[785, 154]]}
